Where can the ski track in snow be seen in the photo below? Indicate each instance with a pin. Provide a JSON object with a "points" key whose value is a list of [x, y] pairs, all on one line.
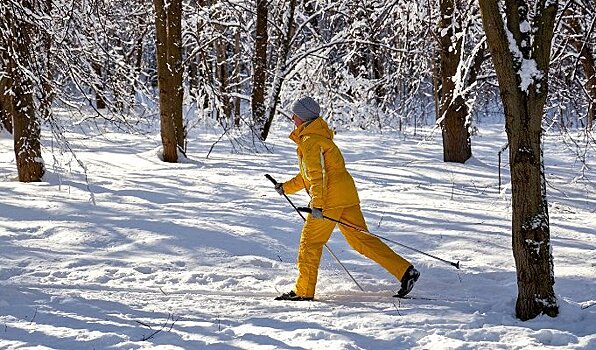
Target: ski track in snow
{"points": [[147, 255]]}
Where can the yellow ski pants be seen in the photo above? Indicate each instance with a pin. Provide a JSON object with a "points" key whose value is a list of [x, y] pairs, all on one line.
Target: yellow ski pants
{"points": [[316, 233]]}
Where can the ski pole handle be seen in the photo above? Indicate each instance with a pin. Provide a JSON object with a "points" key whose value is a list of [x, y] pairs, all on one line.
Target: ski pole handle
{"points": [[271, 179]]}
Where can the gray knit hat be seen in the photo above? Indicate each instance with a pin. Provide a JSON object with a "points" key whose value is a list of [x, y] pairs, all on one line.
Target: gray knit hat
{"points": [[306, 108]]}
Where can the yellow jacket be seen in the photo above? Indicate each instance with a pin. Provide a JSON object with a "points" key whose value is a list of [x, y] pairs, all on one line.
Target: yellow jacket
{"points": [[322, 168]]}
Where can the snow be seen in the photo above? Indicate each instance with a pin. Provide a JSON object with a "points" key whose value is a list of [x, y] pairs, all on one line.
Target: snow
{"points": [[528, 71], [525, 27], [190, 255]]}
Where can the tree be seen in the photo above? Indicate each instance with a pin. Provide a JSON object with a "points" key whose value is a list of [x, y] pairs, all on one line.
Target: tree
{"points": [[17, 38], [520, 50], [168, 24], [5, 120], [259, 80], [457, 75], [579, 38], [280, 66]]}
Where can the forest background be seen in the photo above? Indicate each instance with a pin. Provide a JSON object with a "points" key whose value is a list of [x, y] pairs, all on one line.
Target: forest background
{"points": [[382, 66]]}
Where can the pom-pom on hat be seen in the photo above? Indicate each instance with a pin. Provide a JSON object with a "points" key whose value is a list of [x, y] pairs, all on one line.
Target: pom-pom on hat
{"points": [[306, 109]]}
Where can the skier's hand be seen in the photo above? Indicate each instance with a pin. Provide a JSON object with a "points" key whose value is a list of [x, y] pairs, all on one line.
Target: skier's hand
{"points": [[317, 213], [279, 187]]}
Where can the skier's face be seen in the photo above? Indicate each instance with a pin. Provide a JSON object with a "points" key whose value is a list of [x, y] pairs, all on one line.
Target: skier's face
{"points": [[297, 121]]}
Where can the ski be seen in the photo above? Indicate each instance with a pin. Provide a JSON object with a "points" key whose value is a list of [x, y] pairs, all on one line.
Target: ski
{"points": [[438, 298], [416, 298]]}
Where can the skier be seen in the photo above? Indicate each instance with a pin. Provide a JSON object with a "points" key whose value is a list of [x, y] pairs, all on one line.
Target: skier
{"points": [[333, 193]]}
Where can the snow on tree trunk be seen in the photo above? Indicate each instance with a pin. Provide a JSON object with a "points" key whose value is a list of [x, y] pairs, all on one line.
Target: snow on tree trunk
{"points": [[457, 146], [19, 89], [100, 102], [280, 68], [221, 72], [5, 118], [587, 61], [521, 56]]}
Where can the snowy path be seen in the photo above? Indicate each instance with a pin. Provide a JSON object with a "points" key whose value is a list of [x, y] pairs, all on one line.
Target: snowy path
{"points": [[196, 251]]}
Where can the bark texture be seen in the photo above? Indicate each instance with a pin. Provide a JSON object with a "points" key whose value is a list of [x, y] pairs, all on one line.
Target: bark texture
{"points": [[5, 118], [259, 74], [168, 25], [523, 103], [280, 68], [453, 113], [588, 62], [18, 95]]}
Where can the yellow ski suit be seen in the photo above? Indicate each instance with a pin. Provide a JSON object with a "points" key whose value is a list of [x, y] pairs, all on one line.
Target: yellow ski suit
{"points": [[324, 176]]}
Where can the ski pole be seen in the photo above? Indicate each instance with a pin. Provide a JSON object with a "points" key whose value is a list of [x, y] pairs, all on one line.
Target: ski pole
{"points": [[326, 246], [309, 210]]}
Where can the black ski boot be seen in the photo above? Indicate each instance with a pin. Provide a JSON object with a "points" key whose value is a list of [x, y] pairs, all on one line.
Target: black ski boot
{"points": [[407, 282], [291, 296]]}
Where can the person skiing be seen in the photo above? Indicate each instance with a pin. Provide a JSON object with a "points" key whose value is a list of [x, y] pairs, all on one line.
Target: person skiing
{"points": [[333, 193]]}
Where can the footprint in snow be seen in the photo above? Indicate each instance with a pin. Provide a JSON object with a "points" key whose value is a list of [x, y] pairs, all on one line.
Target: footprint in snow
{"points": [[145, 270]]}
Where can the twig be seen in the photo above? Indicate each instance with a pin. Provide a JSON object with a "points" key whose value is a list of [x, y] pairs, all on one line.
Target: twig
{"points": [[150, 336], [143, 323], [215, 143], [34, 314], [380, 221], [396, 307], [452, 184]]}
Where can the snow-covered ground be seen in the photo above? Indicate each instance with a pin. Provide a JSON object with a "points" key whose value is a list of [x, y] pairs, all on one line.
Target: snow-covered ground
{"points": [[147, 255]]}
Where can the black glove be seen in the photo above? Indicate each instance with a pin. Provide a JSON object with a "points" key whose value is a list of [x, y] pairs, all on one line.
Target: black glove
{"points": [[317, 213], [279, 187]]}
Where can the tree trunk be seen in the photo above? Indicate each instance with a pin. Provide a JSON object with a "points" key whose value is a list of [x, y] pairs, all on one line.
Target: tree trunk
{"points": [[136, 54], [5, 118], [197, 67], [168, 26], [100, 102], [523, 102], [222, 73], [457, 146], [260, 65], [47, 88], [436, 79], [588, 64], [21, 107], [280, 69], [236, 77]]}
